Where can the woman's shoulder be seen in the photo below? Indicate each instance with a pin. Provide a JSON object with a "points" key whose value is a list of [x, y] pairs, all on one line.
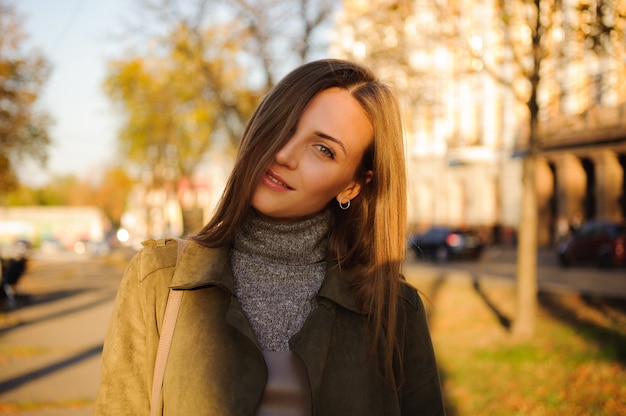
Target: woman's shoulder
{"points": [[194, 263], [410, 296], [155, 255]]}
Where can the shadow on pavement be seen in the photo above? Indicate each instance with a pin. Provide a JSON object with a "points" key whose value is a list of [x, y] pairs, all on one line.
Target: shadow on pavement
{"points": [[29, 300], [53, 297], [18, 381]]}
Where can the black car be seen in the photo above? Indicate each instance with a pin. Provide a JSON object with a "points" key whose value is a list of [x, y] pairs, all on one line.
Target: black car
{"points": [[444, 243], [599, 242]]}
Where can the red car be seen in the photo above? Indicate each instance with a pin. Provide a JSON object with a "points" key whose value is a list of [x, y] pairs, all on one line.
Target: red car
{"points": [[599, 242]]}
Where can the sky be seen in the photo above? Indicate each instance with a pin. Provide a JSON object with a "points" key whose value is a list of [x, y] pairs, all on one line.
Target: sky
{"points": [[77, 37]]}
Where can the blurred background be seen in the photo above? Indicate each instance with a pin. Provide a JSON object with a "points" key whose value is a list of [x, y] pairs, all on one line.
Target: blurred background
{"points": [[119, 122], [136, 107]]}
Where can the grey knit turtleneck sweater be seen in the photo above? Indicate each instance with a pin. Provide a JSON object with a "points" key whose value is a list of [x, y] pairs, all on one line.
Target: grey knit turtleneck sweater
{"points": [[278, 270]]}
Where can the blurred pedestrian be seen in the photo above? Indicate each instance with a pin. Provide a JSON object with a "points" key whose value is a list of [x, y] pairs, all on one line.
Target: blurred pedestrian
{"points": [[13, 264], [562, 229], [576, 222], [292, 298]]}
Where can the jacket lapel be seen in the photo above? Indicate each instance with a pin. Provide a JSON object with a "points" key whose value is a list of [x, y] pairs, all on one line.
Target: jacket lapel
{"points": [[199, 267], [336, 288]]}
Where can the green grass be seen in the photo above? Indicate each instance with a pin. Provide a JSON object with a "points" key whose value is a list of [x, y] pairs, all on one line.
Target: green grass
{"points": [[574, 364]]}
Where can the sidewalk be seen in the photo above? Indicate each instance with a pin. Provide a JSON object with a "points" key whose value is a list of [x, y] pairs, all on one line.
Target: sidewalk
{"points": [[508, 254], [50, 347]]}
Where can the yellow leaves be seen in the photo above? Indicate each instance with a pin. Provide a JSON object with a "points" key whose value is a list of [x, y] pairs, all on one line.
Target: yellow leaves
{"points": [[23, 131], [126, 78], [187, 90]]}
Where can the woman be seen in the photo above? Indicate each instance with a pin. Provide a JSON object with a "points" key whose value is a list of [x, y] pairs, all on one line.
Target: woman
{"points": [[297, 274]]}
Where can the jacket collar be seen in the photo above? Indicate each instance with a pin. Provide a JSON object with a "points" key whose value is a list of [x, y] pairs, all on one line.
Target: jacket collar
{"points": [[200, 266]]}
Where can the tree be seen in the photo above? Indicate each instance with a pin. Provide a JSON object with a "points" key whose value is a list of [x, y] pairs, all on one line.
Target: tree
{"points": [[111, 193], [23, 129], [234, 51], [208, 64], [536, 36], [172, 116], [272, 36], [61, 190]]}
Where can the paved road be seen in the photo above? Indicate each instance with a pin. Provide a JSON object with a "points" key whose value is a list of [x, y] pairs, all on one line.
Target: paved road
{"points": [[50, 349], [500, 264]]}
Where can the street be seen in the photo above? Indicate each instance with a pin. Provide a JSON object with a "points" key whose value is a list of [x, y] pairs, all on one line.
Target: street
{"points": [[50, 346], [499, 263]]}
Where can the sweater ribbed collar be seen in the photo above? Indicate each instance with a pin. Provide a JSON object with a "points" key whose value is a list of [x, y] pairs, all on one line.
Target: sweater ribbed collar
{"points": [[298, 243]]}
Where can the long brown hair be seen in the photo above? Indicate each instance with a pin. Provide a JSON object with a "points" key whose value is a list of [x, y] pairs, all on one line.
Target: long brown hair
{"points": [[369, 237]]}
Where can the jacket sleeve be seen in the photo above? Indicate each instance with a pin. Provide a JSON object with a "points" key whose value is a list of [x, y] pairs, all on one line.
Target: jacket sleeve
{"points": [[421, 388], [125, 376]]}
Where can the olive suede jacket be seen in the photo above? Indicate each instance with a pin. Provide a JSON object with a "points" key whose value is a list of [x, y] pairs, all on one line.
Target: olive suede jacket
{"points": [[216, 366]]}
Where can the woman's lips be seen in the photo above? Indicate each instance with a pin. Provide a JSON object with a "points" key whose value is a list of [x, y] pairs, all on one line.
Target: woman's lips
{"points": [[275, 180]]}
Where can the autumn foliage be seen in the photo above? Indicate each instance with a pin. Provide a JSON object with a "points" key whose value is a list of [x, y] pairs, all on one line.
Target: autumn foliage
{"points": [[23, 129]]}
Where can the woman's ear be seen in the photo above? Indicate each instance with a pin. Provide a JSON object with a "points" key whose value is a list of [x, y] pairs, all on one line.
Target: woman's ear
{"points": [[354, 188], [349, 193]]}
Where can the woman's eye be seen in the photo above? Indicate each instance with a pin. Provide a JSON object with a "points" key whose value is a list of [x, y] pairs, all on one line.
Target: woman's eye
{"points": [[326, 151]]}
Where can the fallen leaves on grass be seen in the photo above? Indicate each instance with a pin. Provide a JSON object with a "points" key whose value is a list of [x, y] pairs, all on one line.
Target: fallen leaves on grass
{"points": [[574, 365]]}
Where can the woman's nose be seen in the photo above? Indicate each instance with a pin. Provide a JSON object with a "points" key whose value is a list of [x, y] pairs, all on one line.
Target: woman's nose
{"points": [[288, 155]]}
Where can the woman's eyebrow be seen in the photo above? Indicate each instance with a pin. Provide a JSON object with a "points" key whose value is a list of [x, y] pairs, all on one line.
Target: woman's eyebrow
{"points": [[331, 138]]}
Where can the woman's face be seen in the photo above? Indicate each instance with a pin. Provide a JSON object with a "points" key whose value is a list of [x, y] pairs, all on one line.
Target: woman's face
{"points": [[319, 162]]}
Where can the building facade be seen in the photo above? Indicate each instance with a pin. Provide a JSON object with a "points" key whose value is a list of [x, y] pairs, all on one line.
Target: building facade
{"points": [[467, 128]]}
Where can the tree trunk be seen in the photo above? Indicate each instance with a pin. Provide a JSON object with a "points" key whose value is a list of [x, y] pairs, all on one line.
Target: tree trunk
{"points": [[526, 307]]}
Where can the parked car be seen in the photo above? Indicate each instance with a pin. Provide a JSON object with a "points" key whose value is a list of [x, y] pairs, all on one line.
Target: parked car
{"points": [[599, 242], [444, 243]]}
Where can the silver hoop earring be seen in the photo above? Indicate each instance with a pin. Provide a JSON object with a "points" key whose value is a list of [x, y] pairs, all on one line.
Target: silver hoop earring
{"points": [[344, 205]]}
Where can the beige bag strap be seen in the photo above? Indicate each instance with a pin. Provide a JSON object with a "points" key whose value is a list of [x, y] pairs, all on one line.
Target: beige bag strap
{"points": [[165, 341], [167, 332]]}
